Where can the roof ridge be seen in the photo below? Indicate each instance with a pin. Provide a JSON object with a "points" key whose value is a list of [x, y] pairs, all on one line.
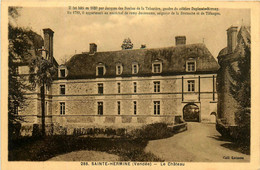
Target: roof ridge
{"points": [[156, 48], [145, 48]]}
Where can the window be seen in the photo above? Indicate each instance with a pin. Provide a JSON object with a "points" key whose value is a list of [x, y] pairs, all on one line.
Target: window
{"points": [[46, 108], [16, 71], [62, 108], [119, 69], [191, 85], [47, 88], [156, 68], [134, 107], [100, 71], [62, 89], [62, 72], [100, 88], [135, 87], [191, 66], [16, 104], [135, 68], [156, 86], [100, 108], [118, 108], [118, 88], [156, 105]]}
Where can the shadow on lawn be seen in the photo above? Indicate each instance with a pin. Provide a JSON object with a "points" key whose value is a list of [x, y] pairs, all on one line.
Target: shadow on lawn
{"points": [[37, 149]]}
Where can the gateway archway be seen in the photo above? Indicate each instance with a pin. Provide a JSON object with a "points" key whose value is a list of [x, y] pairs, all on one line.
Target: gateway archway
{"points": [[191, 112]]}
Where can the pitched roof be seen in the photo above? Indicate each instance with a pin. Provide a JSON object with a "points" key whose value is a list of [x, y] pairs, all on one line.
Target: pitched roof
{"points": [[173, 61]]}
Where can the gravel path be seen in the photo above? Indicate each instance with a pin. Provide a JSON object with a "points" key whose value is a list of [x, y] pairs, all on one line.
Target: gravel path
{"points": [[200, 143]]}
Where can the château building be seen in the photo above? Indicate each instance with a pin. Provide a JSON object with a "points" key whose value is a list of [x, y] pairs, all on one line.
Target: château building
{"points": [[129, 88]]}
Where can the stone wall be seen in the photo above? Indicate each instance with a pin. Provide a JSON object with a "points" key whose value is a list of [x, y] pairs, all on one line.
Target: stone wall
{"points": [[31, 105], [227, 105], [81, 97]]}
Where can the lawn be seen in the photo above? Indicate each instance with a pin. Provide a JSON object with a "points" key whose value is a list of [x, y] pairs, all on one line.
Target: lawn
{"points": [[129, 147], [42, 149]]}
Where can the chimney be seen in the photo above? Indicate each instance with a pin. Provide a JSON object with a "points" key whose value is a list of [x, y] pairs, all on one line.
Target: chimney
{"points": [[231, 39], [143, 46], [92, 48], [48, 42], [180, 40]]}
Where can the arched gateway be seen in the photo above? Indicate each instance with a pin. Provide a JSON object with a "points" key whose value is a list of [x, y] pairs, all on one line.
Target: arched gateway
{"points": [[191, 112]]}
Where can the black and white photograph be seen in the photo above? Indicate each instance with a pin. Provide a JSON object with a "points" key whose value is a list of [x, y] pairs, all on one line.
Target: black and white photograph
{"points": [[129, 85]]}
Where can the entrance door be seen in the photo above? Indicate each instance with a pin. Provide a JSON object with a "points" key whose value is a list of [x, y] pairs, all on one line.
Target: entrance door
{"points": [[191, 113]]}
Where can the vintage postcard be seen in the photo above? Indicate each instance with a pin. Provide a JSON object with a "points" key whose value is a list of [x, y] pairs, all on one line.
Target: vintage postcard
{"points": [[89, 85]]}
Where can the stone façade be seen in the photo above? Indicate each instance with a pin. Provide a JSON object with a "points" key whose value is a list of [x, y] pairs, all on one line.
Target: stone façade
{"points": [[81, 95]]}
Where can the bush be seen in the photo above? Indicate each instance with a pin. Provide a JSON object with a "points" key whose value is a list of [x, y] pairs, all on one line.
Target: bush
{"points": [[36, 130], [99, 131], [121, 132], [222, 129], [90, 131], [152, 131], [243, 117], [14, 131], [110, 131]]}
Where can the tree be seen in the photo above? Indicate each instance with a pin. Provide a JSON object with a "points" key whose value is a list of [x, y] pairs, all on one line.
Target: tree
{"points": [[19, 46], [240, 88], [241, 91], [23, 49], [127, 44], [41, 74]]}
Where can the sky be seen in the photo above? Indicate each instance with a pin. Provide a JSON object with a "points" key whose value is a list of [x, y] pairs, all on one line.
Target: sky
{"points": [[73, 33]]}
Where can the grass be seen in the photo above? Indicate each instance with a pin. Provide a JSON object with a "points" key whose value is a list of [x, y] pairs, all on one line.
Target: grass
{"points": [[129, 147], [42, 149]]}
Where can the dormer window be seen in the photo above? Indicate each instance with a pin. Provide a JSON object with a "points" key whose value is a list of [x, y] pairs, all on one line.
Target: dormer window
{"points": [[191, 65], [63, 72], [100, 69], [119, 69], [135, 68], [157, 66]]}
